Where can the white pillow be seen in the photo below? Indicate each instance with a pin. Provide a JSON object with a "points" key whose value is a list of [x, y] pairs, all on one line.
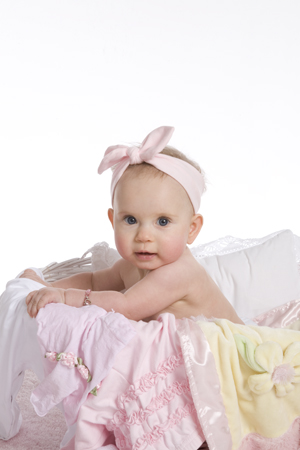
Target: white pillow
{"points": [[258, 278]]}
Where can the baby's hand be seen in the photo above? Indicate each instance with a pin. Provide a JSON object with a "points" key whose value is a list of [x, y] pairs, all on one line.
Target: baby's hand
{"points": [[38, 299], [31, 274]]}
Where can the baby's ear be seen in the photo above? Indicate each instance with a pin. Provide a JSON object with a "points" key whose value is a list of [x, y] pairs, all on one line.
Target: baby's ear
{"points": [[195, 227], [110, 214]]}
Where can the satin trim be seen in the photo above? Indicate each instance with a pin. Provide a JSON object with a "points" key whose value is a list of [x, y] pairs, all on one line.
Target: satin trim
{"points": [[200, 365], [280, 317], [288, 440]]}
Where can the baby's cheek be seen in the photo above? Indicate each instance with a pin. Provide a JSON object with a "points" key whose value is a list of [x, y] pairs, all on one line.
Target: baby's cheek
{"points": [[121, 244], [174, 250]]}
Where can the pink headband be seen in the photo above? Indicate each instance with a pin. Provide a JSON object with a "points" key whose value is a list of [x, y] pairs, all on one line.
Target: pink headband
{"points": [[149, 151]]}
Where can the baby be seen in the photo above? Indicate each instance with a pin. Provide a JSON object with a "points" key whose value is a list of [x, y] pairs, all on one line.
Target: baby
{"points": [[156, 194]]}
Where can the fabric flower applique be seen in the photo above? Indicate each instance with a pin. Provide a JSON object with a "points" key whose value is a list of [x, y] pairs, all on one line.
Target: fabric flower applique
{"points": [[96, 389], [71, 361], [277, 368]]}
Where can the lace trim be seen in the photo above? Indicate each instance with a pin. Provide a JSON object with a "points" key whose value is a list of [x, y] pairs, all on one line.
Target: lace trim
{"points": [[150, 379], [231, 244], [158, 402], [228, 244], [158, 431]]}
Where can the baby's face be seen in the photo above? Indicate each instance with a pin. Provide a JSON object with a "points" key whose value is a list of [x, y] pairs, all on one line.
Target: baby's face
{"points": [[152, 220]]}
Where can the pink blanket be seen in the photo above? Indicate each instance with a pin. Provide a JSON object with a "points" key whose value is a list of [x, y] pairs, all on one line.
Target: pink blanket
{"points": [[88, 333]]}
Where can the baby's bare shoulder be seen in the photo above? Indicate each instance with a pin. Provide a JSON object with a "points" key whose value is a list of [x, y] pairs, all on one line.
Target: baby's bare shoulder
{"points": [[185, 269], [193, 275], [190, 266]]}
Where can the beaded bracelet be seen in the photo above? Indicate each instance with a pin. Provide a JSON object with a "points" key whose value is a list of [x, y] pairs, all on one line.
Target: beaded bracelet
{"points": [[87, 301]]}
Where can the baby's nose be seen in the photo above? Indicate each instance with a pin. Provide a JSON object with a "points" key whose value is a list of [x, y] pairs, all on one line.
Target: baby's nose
{"points": [[144, 234]]}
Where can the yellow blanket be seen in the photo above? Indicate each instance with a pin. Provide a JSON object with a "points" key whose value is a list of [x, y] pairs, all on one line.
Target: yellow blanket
{"points": [[259, 376]]}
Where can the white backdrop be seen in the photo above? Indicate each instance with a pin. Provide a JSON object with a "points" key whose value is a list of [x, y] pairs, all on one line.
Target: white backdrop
{"points": [[77, 76]]}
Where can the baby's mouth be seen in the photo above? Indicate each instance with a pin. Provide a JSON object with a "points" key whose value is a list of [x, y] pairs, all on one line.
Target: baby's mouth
{"points": [[145, 255]]}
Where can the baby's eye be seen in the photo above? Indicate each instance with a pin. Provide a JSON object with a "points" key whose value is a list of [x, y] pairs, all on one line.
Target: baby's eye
{"points": [[130, 220], [162, 221]]}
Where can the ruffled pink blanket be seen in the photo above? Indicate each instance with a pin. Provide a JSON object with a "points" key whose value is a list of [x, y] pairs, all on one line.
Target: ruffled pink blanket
{"points": [[142, 392]]}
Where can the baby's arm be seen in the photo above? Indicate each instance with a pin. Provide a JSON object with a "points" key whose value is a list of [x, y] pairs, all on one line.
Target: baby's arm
{"points": [[32, 275], [101, 280], [80, 280], [109, 279], [146, 298]]}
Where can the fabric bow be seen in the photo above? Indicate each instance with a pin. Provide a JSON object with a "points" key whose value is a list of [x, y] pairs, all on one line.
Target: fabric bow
{"points": [[121, 156], [153, 144]]}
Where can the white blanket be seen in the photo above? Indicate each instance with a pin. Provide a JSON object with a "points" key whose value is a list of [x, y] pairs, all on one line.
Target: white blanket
{"points": [[19, 350]]}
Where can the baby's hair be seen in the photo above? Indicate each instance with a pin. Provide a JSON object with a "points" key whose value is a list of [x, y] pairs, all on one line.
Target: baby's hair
{"points": [[147, 169], [172, 151]]}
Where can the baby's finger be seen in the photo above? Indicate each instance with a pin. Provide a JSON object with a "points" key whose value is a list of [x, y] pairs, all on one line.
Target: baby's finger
{"points": [[29, 297], [40, 299], [33, 302]]}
